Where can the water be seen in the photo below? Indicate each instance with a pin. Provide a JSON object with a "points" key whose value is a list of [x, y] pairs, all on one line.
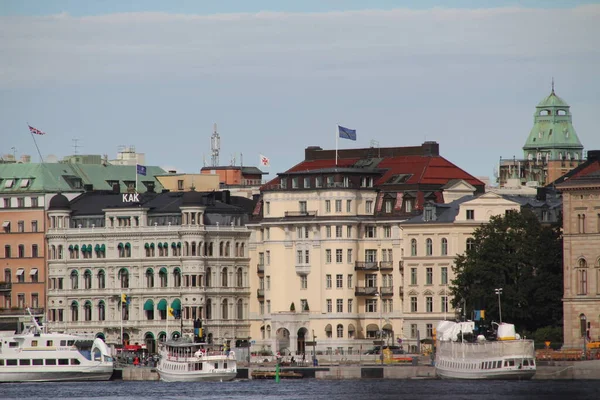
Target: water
{"points": [[309, 389]]}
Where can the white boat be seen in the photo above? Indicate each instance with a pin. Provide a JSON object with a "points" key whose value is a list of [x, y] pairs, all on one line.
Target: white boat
{"points": [[37, 356], [185, 361], [506, 357]]}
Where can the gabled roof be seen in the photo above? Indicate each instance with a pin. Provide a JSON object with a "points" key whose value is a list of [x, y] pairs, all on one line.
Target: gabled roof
{"points": [[591, 166]]}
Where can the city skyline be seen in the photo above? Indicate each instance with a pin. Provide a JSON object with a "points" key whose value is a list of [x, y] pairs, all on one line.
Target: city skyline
{"points": [[276, 82]]}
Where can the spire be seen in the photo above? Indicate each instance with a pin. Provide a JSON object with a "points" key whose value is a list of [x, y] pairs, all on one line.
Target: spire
{"points": [[552, 85]]}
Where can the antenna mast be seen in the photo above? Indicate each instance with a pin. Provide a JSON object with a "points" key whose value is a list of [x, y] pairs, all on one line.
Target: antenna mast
{"points": [[215, 146], [75, 146]]}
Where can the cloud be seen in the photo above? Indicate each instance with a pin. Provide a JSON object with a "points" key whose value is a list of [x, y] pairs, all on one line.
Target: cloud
{"points": [[62, 49]]}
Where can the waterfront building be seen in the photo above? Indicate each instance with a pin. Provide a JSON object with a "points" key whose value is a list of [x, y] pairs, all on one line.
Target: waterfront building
{"points": [[25, 190], [327, 248], [179, 251], [239, 180], [552, 148], [581, 243]]}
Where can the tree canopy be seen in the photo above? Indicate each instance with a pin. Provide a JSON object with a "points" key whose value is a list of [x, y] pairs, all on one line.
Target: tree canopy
{"points": [[517, 253]]}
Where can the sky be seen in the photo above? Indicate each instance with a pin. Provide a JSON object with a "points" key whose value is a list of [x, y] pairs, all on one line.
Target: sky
{"points": [[278, 76]]}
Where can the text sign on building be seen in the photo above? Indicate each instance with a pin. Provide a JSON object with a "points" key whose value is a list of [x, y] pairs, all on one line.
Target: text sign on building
{"points": [[131, 198]]}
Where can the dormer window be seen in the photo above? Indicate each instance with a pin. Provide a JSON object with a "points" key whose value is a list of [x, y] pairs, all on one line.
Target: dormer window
{"points": [[284, 183], [408, 205], [330, 181], [346, 181], [9, 183], [366, 182], [306, 183], [319, 181], [24, 183], [295, 183]]}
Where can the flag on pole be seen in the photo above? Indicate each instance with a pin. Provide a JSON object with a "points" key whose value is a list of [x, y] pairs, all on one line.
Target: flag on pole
{"points": [[35, 130], [171, 312], [141, 169], [264, 161], [346, 133]]}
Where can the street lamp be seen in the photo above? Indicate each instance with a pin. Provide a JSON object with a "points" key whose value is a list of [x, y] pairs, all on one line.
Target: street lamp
{"points": [[499, 293], [583, 327]]}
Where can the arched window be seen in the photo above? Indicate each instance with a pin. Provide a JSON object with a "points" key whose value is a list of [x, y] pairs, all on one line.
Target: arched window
{"points": [[582, 276], [124, 278], [240, 309], [121, 249], [239, 278], [444, 246], [413, 247], [162, 275], [208, 279], [60, 252], [101, 279], [220, 249], [149, 278], [208, 309], [227, 249], [74, 280], [428, 247], [87, 279], [101, 311], [74, 311], [224, 308], [87, 310], [340, 331], [194, 249], [242, 250], [470, 244], [268, 331], [177, 277], [210, 249], [224, 277]]}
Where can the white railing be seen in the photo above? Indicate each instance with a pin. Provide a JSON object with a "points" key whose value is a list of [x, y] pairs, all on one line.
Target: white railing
{"points": [[509, 348]]}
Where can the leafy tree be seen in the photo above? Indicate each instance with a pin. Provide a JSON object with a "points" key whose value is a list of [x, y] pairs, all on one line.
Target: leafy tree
{"points": [[292, 307], [517, 253]]}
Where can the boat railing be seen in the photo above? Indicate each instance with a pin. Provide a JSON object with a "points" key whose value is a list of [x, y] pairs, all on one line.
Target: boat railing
{"points": [[210, 355], [517, 348]]}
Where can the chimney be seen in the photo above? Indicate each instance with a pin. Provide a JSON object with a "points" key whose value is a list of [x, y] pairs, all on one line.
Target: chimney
{"points": [[593, 155], [172, 171], [116, 188]]}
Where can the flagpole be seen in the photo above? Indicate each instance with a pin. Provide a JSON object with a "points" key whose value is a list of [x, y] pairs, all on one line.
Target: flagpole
{"points": [[122, 338], [136, 177], [336, 144]]}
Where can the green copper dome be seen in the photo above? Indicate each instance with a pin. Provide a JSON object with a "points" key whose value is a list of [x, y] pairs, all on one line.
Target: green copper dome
{"points": [[552, 136]]}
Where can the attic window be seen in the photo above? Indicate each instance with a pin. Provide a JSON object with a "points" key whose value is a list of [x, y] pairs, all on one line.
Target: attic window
{"points": [[24, 183], [398, 178], [9, 183]]}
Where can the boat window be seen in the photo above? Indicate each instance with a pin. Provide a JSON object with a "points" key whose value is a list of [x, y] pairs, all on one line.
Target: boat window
{"points": [[531, 362], [24, 362], [224, 365], [63, 361], [70, 343], [75, 361], [38, 362], [511, 363], [11, 362], [1, 362], [13, 344], [51, 362], [34, 343], [49, 343], [216, 365], [526, 362], [63, 342]]}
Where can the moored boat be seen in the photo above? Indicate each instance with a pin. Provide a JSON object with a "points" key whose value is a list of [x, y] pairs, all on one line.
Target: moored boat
{"points": [[461, 355], [186, 361], [37, 356]]}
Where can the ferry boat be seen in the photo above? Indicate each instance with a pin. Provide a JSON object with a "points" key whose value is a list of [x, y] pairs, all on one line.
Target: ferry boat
{"points": [[506, 356], [37, 356], [185, 361]]}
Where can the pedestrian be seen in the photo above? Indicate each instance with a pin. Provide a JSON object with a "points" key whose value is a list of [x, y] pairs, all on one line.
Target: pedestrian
{"points": [[136, 361]]}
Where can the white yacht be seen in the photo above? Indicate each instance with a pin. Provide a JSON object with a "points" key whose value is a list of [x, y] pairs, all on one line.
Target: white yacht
{"points": [[37, 356], [507, 357], [185, 361]]}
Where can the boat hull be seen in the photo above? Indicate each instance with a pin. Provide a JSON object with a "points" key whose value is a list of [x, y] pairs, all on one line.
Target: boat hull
{"points": [[501, 375], [173, 376], [67, 375]]}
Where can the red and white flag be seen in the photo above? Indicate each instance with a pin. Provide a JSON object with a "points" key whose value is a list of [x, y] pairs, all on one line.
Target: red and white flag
{"points": [[264, 161], [35, 130]]}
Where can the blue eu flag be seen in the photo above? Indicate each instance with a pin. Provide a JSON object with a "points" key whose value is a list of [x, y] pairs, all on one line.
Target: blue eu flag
{"points": [[346, 133]]}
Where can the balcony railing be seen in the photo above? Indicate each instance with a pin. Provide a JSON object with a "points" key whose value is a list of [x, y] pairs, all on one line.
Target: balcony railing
{"points": [[387, 291], [302, 269], [307, 213], [401, 266], [365, 291], [366, 266], [260, 293], [21, 311], [386, 265], [260, 268], [5, 286]]}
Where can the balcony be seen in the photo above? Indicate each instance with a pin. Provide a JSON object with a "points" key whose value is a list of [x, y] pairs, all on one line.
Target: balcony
{"points": [[401, 291], [386, 265], [401, 266], [5, 287], [260, 293], [302, 269], [260, 269], [365, 291], [366, 266], [301, 213], [387, 291], [16, 311]]}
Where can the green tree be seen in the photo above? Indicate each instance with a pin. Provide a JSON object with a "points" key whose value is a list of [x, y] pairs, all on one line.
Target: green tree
{"points": [[517, 253]]}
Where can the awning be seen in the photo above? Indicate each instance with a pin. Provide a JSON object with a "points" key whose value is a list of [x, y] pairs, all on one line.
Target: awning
{"points": [[151, 245], [70, 247], [127, 245], [83, 248], [97, 247], [173, 244], [178, 244], [147, 245], [149, 271], [88, 272], [372, 328], [163, 270], [149, 305], [165, 245], [176, 304], [76, 247], [120, 245], [33, 271], [89, 248], [87, 303], [176, 270], [103, 248], [20, 271], [6, 224], [74, 303], [162, 305], [328, 328], [159, 245]]}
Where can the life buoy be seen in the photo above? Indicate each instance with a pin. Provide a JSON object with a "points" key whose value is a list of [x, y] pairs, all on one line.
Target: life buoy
{"points": [[278, 354], [231, 354]]}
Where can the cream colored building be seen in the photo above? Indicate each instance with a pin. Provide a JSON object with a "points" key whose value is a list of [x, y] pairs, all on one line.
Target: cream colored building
{"points": [[180, 182], [431, 242], [581, 252], [327, 246], [181, 251]]}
